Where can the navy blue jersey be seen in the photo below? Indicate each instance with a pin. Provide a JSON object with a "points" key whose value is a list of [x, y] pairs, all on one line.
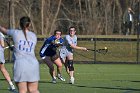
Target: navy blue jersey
{"points": [[49, 47]]}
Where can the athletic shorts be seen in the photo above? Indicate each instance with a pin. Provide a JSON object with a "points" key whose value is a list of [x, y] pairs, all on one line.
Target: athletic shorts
{"points": [[63, 52], [52, 58]]}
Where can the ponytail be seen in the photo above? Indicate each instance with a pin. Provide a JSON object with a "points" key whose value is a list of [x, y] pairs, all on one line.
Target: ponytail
{"points": [[24, 23]]}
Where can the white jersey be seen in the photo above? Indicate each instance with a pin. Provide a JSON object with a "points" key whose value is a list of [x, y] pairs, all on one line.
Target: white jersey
{"points": [[26, 66], [66, 49], [69, 40]]}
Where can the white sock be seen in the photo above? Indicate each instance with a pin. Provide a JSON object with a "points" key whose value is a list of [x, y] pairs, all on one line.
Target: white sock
{"points": [[59, 74], [54, 77], [10, 83], [71, 77]]}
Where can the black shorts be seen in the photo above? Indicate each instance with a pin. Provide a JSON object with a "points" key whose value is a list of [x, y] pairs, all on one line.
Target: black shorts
{"points": [[52, 58]]}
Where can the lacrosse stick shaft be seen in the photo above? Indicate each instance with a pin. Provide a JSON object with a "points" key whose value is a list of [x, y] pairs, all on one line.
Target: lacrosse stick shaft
{"points": [[103, 51], [91, 49], [8, 46], [5, 39]]}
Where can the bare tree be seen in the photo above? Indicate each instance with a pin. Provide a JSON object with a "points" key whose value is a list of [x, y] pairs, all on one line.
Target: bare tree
{"points": [[55, 16], [103, 17], [42, 16]]}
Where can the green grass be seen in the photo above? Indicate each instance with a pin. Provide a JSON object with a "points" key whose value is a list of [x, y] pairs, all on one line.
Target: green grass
{"points": [[90, 78]]}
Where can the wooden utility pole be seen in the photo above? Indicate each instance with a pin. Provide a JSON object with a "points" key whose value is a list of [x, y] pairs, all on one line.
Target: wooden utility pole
{"points": [[42, 17]]}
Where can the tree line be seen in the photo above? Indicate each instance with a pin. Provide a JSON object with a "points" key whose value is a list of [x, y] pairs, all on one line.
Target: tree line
{"points": [[90, 17]]}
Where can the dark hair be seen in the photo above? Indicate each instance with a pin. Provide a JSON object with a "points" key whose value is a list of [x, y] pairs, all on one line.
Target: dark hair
{"points": [[24, 22], [72, 27], [57, 31]]}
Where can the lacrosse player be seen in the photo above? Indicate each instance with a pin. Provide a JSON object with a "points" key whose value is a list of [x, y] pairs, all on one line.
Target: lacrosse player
{"points": [[26, 66], [48, 53], [2, 67], [66, 52]]}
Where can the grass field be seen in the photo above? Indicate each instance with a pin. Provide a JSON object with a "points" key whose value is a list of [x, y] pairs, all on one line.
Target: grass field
{"points": [[90, 78]]}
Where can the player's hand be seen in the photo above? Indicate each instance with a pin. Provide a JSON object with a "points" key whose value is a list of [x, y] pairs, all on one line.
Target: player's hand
{"points": [[11, 48], [85, 49]]}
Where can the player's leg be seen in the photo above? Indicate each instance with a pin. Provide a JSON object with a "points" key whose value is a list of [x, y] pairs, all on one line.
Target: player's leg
{"points": [[63, 57], [33, 87], [7, 76], [71, 71], [22, 87], [70, 67], [49, 63], [66, 66], [58, 63]]}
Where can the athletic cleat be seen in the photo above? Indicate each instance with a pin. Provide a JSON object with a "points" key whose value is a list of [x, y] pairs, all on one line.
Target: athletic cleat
{"points": [[13, 91], [54, 80], [71, 80], [12, 87], [61, 78]]}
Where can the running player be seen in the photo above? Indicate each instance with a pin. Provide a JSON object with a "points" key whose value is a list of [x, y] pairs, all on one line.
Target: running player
{"points": [[66, 52], [2, 67], [26, 66], [49, 54]]}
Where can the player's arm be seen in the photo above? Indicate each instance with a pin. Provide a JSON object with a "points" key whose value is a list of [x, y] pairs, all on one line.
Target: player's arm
{"points": [[56, 42], [2, 43], [3, 30], [77, 47], [74, 46]]}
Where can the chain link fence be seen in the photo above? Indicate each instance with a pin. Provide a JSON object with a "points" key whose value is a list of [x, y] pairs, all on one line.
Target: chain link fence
{"points": [[120, 50]]}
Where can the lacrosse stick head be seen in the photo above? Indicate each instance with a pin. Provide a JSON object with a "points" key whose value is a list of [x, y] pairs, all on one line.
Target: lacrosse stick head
{"points": [[103, 51]]}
